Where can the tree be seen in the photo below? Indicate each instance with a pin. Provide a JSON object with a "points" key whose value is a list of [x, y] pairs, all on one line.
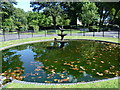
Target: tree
{"points": [[52, 9], [20, 18], [32, 19], [6, 10], [114, 19], [8, 24], [104, 9], [12, 17], [72, 9], [62, 21], [45, 21], [55, 9], [36, 19], [114, 12], [89, 13]]}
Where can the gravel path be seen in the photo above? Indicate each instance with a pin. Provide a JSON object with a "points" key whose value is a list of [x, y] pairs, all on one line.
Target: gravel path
{"points": [[8, 37]]}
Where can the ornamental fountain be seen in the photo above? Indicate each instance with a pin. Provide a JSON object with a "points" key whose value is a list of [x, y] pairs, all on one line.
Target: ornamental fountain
{"points": [[61, 41]]}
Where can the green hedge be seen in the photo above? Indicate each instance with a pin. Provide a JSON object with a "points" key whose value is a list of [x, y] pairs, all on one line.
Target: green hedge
{"points": [[93, 28]]}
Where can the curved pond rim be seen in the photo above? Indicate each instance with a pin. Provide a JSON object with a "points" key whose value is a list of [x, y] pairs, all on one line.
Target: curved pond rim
{"points": [[25, 82], [30, 42]]}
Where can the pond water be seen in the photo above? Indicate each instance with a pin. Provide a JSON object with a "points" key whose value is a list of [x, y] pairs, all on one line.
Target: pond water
{"points": [[77, 61]]}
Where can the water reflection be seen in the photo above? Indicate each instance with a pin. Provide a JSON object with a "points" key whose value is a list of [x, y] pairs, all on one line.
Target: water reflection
{"points": [[79, 61], [12, 65]]}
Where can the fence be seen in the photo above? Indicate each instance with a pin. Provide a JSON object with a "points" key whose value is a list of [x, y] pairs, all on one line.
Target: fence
{"points": [[6, 36]]}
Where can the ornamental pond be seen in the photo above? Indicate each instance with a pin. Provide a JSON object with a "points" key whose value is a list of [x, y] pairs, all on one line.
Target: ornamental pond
{"points": [[77, 61]]}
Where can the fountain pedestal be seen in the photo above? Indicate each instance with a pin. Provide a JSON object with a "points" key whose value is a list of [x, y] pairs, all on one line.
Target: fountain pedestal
{"points": [[61, 41], [62, 36]]}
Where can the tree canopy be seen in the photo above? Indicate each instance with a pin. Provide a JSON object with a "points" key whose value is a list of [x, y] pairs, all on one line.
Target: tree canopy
{"points": [[89, 13], [6, 8], [49, 14]]}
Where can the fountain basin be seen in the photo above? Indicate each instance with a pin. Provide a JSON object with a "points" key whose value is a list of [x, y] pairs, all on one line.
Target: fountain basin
{"points": [[62, 30], [59, 40], [78, 61]]}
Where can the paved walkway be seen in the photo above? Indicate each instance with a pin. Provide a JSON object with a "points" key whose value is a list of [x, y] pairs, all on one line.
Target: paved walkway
{"points": [[8, 37]]}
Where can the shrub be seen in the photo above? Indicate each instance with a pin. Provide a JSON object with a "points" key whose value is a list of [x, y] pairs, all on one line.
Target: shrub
{"points": [[93, 28]]}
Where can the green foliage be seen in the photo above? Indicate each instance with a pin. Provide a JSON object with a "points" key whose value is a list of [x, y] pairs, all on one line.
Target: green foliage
{"points": [[18, 24], [53, 10], [45, 20], [117, 19], [15, 21], [33, 22], [57, 13], [89, 13], [62, 21], [94, 28], [36, 20], [20, 16], [32, 18], [36, 28], [73, 10], [6, 11], [114, 16], [8, 23], [112, 13], [7, 8], [118, 14]]}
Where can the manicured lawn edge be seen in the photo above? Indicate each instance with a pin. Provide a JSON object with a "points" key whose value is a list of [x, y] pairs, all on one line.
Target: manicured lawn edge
{"points": [[104, 84], [51, 31], [8, 43]]}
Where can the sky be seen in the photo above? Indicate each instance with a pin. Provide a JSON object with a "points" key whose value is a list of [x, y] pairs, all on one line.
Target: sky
{"points": [[23, 4]]}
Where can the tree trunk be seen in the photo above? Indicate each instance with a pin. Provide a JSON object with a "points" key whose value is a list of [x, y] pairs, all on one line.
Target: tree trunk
{"points": [[73, 20], [54, 21], [101, 15], [105, 16]]}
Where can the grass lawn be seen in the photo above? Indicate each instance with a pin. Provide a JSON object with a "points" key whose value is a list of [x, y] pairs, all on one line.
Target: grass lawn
{"points": [[7, 43], [103, 84], [68, 31]]}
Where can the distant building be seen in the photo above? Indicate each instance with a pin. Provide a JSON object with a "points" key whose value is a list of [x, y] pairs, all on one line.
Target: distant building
{"points": [[79, 22]]}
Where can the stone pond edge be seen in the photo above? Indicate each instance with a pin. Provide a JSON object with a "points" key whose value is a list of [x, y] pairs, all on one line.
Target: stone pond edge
{"points": [[2, 48], [24, 82]]}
